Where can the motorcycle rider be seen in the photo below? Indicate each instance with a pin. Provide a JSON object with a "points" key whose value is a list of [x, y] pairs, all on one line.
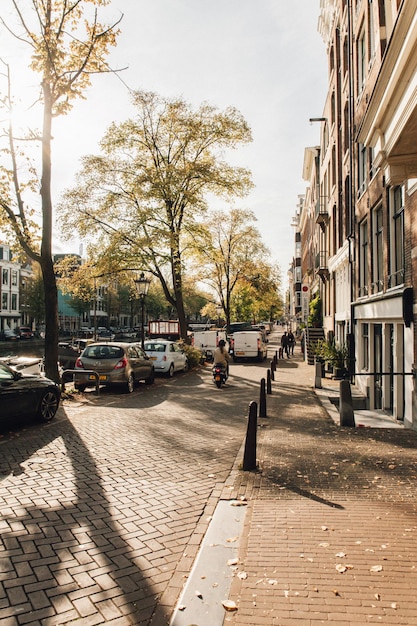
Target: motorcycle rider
{"points": [[221, 356]]}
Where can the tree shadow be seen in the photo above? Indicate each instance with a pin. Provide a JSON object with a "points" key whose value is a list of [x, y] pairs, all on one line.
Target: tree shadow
{"points": [[76, 561]]}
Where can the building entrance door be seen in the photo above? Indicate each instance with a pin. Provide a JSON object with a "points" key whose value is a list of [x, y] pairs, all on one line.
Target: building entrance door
{"points": [[378, 360]]}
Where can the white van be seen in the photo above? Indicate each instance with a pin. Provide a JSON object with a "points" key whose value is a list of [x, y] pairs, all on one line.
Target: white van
{"points": [[208, 340], [249, 344]]}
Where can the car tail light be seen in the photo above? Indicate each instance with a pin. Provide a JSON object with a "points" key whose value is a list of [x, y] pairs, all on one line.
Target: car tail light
{"points": [[232, 343], [79, 363], [164, 358], [121, 364], [259, 344]]}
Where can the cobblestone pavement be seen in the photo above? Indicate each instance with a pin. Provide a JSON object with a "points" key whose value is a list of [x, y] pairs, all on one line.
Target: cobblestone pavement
{"points": [[100, 506], [331, 528], [103, 511]]}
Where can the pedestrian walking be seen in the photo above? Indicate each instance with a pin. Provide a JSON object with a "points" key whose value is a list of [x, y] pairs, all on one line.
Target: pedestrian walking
{"points": [[291, 343], [284, 344]]}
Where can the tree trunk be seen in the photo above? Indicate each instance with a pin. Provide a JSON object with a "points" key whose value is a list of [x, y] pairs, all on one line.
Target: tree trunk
{"points": [[177, 283], [47, 266], [51, 319]]}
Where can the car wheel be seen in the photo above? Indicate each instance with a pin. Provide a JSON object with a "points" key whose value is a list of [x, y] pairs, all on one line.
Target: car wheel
{"points": [[186, 365], [151, 378], [130, 384], [48, 405], [171, 371]]}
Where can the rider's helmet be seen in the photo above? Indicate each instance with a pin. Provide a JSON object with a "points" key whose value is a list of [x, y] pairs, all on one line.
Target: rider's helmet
{"points": [[222, 343]]}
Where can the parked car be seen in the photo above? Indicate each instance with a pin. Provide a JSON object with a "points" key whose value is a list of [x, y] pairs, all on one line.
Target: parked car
{"points": [[22, 396], [25, 332], [166, 356], [104, 333], [69, 351], [8, 335], [117, 363]]}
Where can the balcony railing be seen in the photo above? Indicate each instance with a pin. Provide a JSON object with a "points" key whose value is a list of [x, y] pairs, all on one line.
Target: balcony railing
{"points": [[322, 265], [322, 216]]}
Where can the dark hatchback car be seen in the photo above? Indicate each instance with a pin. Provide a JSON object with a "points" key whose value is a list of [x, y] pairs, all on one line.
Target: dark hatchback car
{"points": [[27, 396], [117, 363]]}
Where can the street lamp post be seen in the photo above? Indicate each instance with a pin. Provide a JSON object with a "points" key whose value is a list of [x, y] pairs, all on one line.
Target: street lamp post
{"points": [[219, 311], [142, 285]]}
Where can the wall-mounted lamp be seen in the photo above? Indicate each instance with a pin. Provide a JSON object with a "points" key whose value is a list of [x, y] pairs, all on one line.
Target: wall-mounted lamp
{"points": [[318, 119]]}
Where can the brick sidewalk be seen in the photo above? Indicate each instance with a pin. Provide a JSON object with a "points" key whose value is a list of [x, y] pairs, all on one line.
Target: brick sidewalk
{"points": [[331, 527]]}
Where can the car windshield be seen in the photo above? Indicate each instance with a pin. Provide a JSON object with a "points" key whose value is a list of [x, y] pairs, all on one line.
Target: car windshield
{"points": [[103, 352], [155, 347]]}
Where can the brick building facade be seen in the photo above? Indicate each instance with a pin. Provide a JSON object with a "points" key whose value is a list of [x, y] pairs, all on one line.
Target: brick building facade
{"points": [[365, 235]]}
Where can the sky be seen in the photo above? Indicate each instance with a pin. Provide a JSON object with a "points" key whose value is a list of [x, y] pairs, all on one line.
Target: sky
{"points": [[264, 57]]}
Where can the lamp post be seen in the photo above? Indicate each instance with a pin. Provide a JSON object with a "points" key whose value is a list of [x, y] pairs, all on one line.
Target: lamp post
{"points": [[142, 285], [219, 311]]}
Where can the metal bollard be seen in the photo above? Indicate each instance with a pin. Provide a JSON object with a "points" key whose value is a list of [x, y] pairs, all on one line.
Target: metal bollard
{"points": [[249, 457], [347, 415], [317, 377], [262, 399], [273, 366], [272, 373], [268, 382], [276, 357]]}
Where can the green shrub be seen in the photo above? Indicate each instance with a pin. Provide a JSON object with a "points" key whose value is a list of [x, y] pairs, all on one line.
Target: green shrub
{"points": [[193, 354], [331, 353]]}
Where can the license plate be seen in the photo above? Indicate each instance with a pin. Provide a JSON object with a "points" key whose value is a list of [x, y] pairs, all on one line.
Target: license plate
{"points": [[101, 377], [217, 378], [240, 353], [152, 358]]}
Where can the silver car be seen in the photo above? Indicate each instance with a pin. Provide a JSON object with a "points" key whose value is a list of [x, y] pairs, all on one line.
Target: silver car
{"points": [[116, 363]]}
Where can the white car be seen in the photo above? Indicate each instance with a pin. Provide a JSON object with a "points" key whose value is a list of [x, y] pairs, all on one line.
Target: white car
{"points": [[167, 356]]}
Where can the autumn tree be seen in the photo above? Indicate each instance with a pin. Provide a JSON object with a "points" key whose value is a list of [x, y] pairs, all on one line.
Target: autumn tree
{"points": [[142, 197], [67, 45], [231, 256]]}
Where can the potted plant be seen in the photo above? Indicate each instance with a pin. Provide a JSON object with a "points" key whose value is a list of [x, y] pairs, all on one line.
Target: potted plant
{"points": [[336, 356]]}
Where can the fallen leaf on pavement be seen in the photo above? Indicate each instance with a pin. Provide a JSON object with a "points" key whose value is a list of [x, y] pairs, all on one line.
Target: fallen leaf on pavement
{"points": [[229, 605], [376, 568]]}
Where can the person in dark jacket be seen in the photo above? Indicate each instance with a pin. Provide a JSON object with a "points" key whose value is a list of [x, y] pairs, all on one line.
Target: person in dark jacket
{"points": [[284, 344], [291, 343]]}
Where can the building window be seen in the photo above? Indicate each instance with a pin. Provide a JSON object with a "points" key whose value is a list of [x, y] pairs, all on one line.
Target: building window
{"points": [[371, 158], [361, 61], [378, 251], [396, 212], [5, 277], [363, 259], [4, 301], [361, 169], [346, 127], [14, 302], [365, 347], [371, 31], [345, 56], [14, 278]]}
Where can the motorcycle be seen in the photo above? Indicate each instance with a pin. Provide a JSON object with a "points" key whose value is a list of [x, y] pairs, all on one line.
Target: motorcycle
{"points": [[219, 374]]}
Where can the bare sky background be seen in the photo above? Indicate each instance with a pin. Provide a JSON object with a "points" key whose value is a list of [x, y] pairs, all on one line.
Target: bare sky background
{"points": [[264, 57]]}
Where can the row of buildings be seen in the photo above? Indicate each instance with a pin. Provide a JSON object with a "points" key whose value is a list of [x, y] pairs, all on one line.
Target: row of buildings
{"points": [[355, 233], [18, 301]]}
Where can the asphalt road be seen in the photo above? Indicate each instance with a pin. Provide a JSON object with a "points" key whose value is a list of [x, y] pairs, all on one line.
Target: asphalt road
{"points": [[102, 508]]}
